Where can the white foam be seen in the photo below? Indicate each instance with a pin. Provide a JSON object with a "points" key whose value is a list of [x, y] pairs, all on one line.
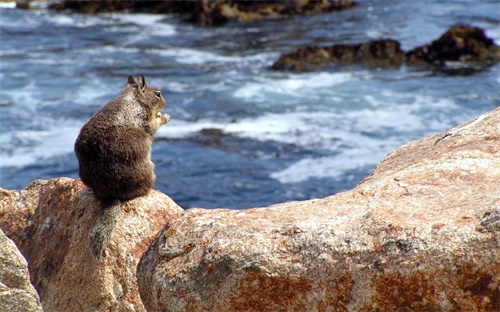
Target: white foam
{"points": [[306, 129], [182, 129], [494, 33], [77, 20], [198, 57], [8, 5], [329, 167], [139, 19], [291, 86], [36, 146], [367, 135], [151, 22], [357, 135]]}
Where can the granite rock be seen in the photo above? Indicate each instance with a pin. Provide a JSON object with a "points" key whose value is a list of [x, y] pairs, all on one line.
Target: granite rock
{"points": [[421, 233], [16, 292], [50, 222]]}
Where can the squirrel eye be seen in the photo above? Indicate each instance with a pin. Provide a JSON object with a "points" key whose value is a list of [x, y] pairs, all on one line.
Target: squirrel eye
{"points": [[158, 94]]}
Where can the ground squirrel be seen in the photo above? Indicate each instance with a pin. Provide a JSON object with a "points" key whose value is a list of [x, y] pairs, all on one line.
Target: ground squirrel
{"points": [[114, 153]]}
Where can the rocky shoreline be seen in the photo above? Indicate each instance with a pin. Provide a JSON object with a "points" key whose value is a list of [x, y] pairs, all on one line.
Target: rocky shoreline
{"points": [[462, 49], [205, 12], [419, 233], [463, 44]]}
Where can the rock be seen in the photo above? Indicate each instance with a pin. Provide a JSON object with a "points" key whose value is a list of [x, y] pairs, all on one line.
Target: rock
{"points": [[210, 13], [421, 233], [51, 220], [103, 6], [381, 53], [462, 43], [16, 292]]}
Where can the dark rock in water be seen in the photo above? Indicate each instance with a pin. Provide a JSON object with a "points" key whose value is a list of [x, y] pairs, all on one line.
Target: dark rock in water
{"points": [[210, 13], [214, 137], [466, 45], [462, 43], [381, 53], [103, 6]]}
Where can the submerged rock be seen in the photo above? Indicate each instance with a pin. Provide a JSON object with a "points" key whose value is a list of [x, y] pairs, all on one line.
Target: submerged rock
{"points": [[210, 13], [51, 220], [381, 53], [16, 292], [419, 234]]}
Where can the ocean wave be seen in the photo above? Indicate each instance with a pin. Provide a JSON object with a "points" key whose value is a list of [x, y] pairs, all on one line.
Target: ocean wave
{"points": [[293, 85], [198, 57], [329, 167], [24, 148]]}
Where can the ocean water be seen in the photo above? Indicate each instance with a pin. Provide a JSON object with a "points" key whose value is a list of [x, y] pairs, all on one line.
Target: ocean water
{"points": [[280, 136]]}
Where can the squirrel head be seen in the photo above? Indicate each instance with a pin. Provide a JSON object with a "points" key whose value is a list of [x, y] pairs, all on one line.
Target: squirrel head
{"points": [[147, 96]]}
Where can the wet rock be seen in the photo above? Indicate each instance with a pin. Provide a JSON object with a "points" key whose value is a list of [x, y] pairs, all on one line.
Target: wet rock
{"points": [[462, 43], [16, 292], [419, 234], [381, 53], [51, 220], [210, 13]]}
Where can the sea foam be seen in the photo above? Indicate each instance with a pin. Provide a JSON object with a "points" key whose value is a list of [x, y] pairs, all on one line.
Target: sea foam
{"points": [[34, 146]]}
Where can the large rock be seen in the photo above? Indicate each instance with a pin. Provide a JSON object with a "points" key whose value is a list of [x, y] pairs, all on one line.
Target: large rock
{"points": [[51, 220], [16, 292], [419, 234]]}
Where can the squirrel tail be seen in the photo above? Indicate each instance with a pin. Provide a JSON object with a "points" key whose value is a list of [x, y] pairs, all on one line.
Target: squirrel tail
{"points": [[103, 228]]}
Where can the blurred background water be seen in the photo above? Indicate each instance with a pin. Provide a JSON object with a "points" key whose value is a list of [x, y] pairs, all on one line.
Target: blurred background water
{"points": [[241, 134]]}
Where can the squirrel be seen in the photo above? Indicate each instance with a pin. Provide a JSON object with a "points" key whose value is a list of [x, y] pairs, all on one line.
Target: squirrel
{"points": [[114, 153]]}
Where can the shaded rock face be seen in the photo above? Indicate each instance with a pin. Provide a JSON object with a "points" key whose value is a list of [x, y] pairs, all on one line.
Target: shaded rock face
{"points": [[381, 53], [419, 234], [16, 292], [51, 220], [210, 13], [463, 43]]}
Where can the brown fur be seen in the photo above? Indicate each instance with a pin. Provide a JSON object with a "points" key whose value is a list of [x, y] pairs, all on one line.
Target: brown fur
{"points": [[114, 147], [114, 152]]}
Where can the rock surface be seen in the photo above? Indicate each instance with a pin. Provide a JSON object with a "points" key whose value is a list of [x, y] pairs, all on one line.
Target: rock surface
{"points": [[208, 12], [50, 221], [462, 44], [419, 234], [16, 292]]}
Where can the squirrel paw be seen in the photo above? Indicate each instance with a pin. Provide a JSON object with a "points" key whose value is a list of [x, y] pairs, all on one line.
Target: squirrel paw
{"points": [[164, 118]]}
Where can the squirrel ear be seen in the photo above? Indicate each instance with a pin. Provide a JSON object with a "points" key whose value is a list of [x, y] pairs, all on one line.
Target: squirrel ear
{"points": [[142, 82], [131, 81]]}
